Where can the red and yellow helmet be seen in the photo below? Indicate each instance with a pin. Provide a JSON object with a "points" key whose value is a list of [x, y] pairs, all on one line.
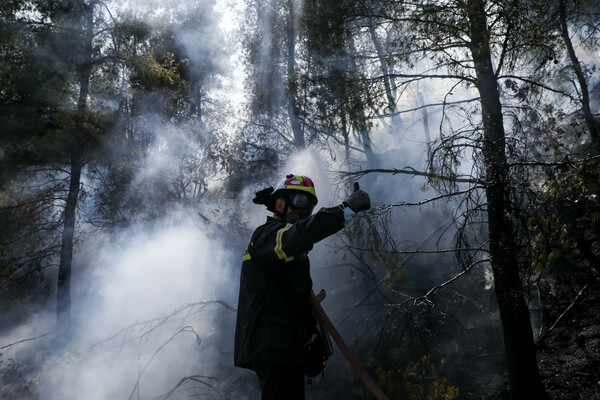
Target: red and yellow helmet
{"points": [[296, 182]]}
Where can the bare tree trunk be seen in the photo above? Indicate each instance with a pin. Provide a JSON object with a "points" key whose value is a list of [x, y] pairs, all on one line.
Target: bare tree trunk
{"points": [[291, 65], [592, 124], [523, 374]]}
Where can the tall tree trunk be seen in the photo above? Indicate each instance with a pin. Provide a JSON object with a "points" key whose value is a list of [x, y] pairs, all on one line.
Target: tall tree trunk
{"points": [[84, 66], [524, 378], [592, 124], [291, 66], [63, 301]]}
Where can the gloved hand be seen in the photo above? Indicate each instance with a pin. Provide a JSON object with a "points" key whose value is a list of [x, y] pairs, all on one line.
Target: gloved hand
{"points": [[358, 201]]}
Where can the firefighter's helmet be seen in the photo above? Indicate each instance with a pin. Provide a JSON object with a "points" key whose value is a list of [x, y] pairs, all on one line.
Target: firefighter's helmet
{"points": [[296, 183]]}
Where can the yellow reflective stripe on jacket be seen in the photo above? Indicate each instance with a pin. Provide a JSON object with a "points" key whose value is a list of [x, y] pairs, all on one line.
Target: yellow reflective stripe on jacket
{"points": [[246, 254], [278, 245]]}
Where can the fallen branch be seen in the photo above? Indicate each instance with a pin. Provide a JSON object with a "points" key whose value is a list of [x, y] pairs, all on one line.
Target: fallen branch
{"points": [[192, 378], [154, 323], [136, 387], [26, 340], [561, 316]]}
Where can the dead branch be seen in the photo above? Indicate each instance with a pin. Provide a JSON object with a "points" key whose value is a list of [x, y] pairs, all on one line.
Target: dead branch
{"points": [[388, 207], [154, 323], [435, 289], [347, 175]]}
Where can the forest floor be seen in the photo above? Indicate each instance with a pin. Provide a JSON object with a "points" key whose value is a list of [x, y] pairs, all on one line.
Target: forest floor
{"points": [[569, 355]]}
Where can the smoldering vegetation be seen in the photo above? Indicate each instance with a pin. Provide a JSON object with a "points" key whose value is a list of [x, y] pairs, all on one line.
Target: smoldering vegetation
{"points": [[133, 136]]}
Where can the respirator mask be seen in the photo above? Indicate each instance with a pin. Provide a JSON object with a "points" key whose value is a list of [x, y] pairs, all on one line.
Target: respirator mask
{"points": [[300, 206]]}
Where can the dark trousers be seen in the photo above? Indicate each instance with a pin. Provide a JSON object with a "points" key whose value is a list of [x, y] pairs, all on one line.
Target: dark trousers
{"points": [[279, 382]]}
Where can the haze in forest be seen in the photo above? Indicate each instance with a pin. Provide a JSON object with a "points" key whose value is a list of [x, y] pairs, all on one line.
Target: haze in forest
{"points": [[133, 136]]}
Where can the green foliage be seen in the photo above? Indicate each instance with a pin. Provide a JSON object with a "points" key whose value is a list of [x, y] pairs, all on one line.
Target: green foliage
{"points": [[150, 74], [399, 377], [422, 381]]}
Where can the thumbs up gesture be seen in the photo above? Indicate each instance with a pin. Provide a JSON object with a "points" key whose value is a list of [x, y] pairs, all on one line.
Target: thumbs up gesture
{"points": [[359, 200]]}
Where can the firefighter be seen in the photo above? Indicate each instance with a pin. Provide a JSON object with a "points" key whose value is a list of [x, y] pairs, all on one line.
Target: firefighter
{"points": [[273, 308]]}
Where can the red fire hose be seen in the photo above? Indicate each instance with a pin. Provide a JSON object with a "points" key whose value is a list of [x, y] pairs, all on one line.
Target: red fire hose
{"points": [[354, 363]]}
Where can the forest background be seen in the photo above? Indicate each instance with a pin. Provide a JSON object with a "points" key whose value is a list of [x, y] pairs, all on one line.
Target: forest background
{"points": [[133, 135]]}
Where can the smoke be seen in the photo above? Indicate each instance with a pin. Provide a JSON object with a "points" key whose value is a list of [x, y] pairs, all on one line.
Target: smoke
{"points": [[150, 271], [148, 307]]}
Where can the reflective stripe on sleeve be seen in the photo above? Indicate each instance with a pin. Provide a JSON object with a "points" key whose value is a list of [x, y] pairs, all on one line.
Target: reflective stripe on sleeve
{"points": [[247, 254], [278, 245]]}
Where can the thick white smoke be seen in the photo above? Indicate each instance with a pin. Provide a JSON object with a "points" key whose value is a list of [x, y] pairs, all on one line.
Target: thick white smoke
{"points": [[151, 316]]}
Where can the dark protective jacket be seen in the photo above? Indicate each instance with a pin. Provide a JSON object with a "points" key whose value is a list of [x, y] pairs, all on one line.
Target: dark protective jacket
{"points": [[275, 284]]}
